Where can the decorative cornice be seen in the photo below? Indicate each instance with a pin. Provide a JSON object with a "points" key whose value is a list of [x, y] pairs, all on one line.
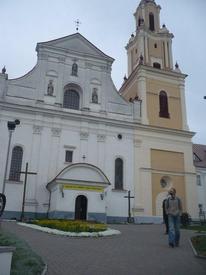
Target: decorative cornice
{"points": [[101, 138], [56, 132], [84, 135], [37, 130]]}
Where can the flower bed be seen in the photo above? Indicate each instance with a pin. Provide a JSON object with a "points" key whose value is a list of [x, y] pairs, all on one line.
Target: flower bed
{"points": [[71, 226]]}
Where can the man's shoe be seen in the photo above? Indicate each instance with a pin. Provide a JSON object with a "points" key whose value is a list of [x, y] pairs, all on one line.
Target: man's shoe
{"points": [[171, 245]]}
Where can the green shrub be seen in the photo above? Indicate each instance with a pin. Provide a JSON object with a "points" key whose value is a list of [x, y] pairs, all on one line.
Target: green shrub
{"points": [[71, 226], [185, 219]]}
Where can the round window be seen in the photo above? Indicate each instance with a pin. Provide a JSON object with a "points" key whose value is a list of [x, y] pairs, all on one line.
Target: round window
{"points": [[165, 182]]}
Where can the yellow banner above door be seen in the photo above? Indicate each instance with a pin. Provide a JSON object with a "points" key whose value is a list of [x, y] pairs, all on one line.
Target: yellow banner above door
{"points": [[83, 187]]}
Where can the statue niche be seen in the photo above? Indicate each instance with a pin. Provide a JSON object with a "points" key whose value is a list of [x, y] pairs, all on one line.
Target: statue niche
{"points": [[94, 96], [74, 69], [50, 88]]}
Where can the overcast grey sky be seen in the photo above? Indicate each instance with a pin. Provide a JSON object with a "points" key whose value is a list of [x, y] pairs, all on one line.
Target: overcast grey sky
{"points": [[108, 25]]}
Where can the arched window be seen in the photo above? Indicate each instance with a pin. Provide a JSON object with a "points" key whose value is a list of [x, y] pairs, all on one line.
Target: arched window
{"points": [[118, 174], [151, 22], [157, 65], [16, 162], [71, 99], [163, 102]]}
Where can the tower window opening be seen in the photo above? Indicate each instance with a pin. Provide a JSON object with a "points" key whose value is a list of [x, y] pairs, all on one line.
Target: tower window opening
{"points": [[163, 103], [151, 22], [157, 65], [155, 45]]}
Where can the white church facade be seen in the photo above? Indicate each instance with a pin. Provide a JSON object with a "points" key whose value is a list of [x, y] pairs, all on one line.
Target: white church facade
{"points": [[90, 144]]}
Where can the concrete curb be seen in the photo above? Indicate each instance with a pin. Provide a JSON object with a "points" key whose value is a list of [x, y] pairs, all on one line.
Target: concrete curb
{"points": [[194, 250], [45, 270]]}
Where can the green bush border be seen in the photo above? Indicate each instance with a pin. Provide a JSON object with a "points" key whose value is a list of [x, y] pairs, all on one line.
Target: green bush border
{"points": [[24, 260]]}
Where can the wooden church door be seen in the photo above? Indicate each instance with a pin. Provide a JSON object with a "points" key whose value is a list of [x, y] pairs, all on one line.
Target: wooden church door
{"points": [[81, 208]]}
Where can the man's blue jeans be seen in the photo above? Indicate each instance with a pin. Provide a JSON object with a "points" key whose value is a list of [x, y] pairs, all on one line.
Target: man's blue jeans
{"points": [[174, 229]]}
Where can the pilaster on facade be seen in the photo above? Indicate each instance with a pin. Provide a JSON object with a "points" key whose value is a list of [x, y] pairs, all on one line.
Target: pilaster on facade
{"points": [[183, 106]]}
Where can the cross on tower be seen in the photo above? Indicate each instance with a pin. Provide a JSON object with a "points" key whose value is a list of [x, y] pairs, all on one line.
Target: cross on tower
{"points": [[129, 219], [77, 22], [26, 172]]}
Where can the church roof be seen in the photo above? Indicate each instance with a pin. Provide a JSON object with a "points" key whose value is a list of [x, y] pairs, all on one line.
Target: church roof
{"points": [[82, 172], [75, 43], [199, 151]]}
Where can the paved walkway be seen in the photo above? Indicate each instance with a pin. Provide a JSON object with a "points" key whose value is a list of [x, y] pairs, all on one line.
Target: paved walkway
{"points": [[139, 250]]}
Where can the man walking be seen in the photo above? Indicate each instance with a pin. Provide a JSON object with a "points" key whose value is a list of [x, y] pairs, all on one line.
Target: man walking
{"points": [[165, 216], [174, 211]]}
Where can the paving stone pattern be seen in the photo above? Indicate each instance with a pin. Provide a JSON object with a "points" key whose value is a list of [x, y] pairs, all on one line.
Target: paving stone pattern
{"points": [[139, 250]]}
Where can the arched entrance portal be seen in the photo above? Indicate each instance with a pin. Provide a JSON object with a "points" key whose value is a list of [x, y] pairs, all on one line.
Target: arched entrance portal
{"points": [[81, 208]]}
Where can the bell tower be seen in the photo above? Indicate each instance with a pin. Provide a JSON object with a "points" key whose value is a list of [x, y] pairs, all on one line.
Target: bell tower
{"points": [[151, 75], [152, 42]]}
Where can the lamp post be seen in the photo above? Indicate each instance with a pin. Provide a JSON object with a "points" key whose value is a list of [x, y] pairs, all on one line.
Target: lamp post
{"points": [[11, 127]]}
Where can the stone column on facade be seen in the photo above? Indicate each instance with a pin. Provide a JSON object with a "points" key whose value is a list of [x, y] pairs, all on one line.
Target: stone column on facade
{"points": [[42, 65], [101, 138], [129, 62], [142, 44], [143, 96], [146, 50], [166, 55], [60, 81], [191, 195], [84, 135], [54, 152], [32, 185], [137, 179], [170, 54], [183, 106]]}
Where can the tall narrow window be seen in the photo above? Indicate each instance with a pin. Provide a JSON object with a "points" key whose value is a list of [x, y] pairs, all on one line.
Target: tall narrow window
{"points": [[71, 99], [68, 156], [118, 174], [163, 102], [16, 162], [151, 22]]}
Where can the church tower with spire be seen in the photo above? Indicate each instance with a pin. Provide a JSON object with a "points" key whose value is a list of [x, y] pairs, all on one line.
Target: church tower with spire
{"points": [[163, 147], [151, 75]]}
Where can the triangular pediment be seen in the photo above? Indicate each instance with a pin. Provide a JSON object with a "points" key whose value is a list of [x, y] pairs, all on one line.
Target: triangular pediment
{"points": [[75, 43]]}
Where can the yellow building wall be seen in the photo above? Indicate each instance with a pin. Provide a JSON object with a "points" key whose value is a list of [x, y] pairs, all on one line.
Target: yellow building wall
{"points": [[174, 104], [170, 162], [156, 52]]}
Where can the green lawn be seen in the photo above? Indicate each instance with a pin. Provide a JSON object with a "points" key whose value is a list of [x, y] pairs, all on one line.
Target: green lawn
{"points": [[198, 228], [24, 260], [199, 243]]}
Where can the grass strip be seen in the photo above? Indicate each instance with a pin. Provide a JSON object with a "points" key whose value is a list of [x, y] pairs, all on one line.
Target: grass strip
{"points": [[199, 243], [24, 260]]}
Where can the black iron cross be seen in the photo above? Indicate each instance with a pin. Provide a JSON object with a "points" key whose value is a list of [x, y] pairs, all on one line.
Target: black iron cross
{"points": [[129, 210], [26, 172]]}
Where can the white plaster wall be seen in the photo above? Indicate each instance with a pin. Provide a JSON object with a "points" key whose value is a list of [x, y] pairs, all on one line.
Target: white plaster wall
{"points": [[202, 188]]}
